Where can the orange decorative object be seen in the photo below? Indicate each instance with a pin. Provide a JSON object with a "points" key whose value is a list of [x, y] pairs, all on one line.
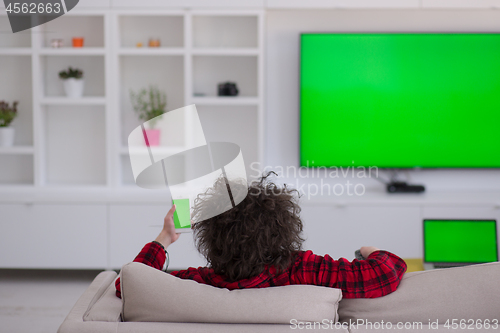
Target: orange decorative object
{"points": [[138, 44], [154, 42], [78, 42]]}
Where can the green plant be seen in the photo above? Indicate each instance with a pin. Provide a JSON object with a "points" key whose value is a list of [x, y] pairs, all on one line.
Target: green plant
{"points": [[149, 103], [7, 113], [71, 73]]}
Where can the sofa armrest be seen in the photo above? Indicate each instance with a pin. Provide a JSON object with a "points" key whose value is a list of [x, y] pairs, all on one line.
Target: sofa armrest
{"points": [[74, 320]]}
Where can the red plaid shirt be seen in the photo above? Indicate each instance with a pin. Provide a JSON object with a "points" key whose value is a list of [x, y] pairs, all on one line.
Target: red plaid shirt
{"points": [[376, 276]]}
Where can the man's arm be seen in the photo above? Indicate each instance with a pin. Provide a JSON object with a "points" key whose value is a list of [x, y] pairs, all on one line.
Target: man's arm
{"points": [[378, 275], [153, 254]]}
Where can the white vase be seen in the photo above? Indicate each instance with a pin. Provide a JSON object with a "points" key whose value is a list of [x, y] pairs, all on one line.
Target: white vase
{"points": [[73, 87], [7, 136]]}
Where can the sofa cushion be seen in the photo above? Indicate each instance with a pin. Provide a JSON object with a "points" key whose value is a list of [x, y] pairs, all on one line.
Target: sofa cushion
{"points": [[151, 295], [470, 292], [107, 307]]}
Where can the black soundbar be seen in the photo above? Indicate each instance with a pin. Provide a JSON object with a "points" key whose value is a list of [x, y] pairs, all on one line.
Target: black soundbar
{"points": [[402, 187]]}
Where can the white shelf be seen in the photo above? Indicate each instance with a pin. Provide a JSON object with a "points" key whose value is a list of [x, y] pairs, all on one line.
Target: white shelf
{"points": [[225, 100], [463, 4], [70, 51], [226, 51], [151, 51], [154, 150], [15, 51], [17, 150], [73, 101]]}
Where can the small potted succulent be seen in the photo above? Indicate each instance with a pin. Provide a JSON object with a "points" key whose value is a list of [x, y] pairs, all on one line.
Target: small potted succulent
{"points": [[7, 115], [149, 104], [73, 82]]}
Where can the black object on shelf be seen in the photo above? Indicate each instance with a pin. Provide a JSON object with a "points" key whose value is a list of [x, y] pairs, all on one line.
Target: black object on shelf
{"points": [[402, 187], [228, 89]]}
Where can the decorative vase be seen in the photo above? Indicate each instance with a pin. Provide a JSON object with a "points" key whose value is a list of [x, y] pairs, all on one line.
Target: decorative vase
{"points": [[154, 42], [77, 41], [7, 136], [153, 136], [73, 87]]}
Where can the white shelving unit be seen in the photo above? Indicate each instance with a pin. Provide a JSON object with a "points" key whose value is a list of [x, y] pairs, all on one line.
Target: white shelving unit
{"points": [[76, 149], [229, 46], [82, 143], [68, 175], [197, 54], [16, 163]]}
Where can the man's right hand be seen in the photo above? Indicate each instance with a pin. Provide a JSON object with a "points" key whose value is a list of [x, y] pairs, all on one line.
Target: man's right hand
{"points": [[367, 250], [168, 234]]}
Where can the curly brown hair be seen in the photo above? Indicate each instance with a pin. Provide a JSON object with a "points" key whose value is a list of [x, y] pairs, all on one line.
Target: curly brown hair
{"points": [[262, 230]]}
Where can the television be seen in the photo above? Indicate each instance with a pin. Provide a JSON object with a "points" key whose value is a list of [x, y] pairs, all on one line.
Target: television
{"points": [[400, 100]]}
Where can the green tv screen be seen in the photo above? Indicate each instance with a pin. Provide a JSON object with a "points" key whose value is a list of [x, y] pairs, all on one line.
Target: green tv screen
{"points": [[400, 100]]}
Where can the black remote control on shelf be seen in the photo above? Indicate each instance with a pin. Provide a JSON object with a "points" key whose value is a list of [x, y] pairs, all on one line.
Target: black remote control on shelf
{"points": [[358, 255]]}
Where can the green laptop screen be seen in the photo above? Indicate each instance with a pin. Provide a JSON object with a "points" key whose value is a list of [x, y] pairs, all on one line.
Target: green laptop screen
{"points": [[400, 100], [461, 241]]}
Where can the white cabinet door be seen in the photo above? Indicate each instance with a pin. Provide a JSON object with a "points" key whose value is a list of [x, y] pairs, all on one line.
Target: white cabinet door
{"points": [[226, 3], [93, 4], [132, 226], [188, 3], [342, 4], [53, 236], [461, 3], [340, 231]]}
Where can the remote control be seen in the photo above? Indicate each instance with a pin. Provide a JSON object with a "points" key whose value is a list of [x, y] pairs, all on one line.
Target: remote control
{"points": [[358, 255]]}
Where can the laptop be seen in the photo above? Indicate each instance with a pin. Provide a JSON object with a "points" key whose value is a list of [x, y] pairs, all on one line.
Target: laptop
{"points": [[452, 243]]}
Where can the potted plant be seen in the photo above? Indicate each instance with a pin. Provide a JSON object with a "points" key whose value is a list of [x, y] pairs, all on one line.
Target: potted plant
{"points": [[7, 115], [73, 82], [149, 104]]}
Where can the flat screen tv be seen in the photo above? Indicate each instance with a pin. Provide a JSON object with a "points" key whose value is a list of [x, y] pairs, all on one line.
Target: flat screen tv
{"points": [[400, 100]]}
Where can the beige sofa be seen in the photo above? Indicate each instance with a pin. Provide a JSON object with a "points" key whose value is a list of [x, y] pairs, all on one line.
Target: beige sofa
{"points": [[453, 299]]}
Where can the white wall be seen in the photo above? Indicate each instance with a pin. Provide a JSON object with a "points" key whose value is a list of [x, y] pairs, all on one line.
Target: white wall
{"points": [[282, 78]]}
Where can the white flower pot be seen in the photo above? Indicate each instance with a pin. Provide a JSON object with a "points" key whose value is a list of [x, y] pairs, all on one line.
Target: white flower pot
{"points": [[73, 87], [7, 136]]}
